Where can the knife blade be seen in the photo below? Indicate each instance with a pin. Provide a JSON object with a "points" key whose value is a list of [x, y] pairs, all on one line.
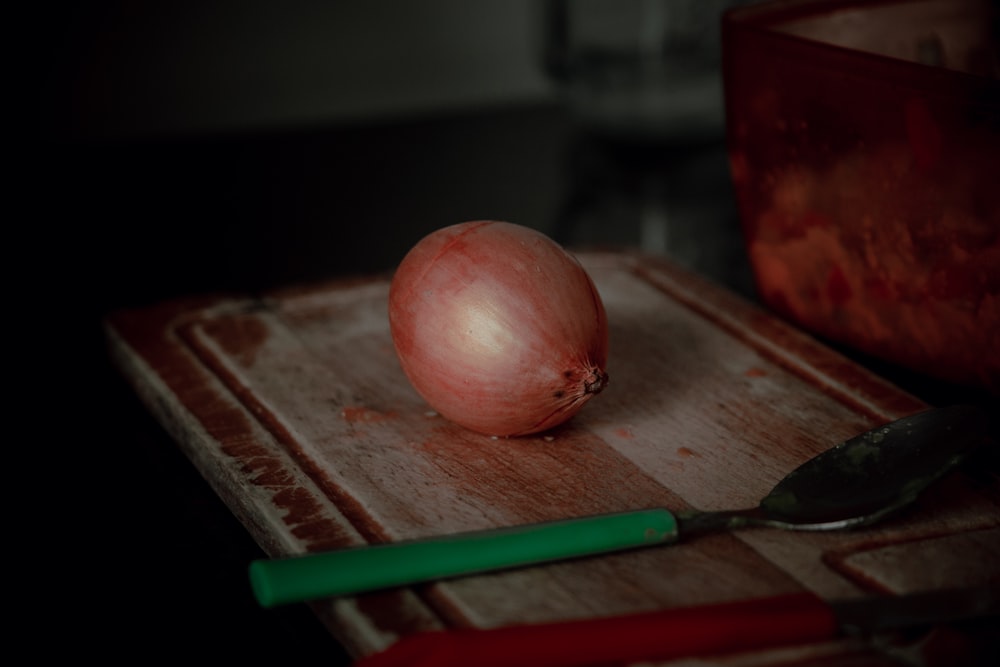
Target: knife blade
{"points": [[714, 629]]}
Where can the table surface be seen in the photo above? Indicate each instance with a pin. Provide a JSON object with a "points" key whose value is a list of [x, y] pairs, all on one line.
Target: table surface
{"points": [[248, 213]]}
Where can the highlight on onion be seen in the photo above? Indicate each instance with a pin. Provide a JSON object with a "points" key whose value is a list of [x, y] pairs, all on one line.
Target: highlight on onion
{"points": [[498, 328]]}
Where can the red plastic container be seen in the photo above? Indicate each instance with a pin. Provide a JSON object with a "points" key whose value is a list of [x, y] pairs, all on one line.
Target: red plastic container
{"points": [[864, 145]]}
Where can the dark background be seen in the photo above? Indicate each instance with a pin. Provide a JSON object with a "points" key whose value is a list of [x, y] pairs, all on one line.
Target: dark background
{"points": [[191, 149]]}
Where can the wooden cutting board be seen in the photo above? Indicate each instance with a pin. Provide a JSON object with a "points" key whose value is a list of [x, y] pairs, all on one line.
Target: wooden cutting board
{"points": [[292, 405]]}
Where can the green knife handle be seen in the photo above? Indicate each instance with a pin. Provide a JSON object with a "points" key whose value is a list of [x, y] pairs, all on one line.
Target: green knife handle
{"points": [[361, 569]]}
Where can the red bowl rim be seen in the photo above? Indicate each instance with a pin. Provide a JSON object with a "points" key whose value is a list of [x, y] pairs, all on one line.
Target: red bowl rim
{"points": [[756, 24]]}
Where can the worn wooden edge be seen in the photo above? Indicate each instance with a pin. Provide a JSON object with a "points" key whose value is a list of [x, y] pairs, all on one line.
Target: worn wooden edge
{"points": [[145, 345]]}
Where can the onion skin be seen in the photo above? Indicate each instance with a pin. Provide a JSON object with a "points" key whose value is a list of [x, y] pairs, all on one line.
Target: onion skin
{"points": [[498, 328]]}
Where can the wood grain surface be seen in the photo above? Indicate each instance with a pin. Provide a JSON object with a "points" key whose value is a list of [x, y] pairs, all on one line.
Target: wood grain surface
{"points": [[292, 405]]}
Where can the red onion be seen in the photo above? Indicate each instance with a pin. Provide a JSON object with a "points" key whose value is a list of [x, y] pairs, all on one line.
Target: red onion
{"points": [[498, 328]]}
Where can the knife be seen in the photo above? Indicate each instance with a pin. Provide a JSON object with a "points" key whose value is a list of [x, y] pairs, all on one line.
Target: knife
{"points": [[714, 629]]}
